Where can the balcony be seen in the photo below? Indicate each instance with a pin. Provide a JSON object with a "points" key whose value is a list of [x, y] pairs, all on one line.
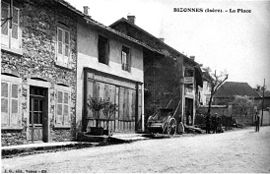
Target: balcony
{"points": [[188, 80], [126, 67]]}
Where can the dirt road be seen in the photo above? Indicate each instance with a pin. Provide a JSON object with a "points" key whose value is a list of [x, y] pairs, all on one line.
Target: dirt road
{"points": [[235, 151]]}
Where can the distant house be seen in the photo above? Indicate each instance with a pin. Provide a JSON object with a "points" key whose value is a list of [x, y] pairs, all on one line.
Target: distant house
{"points": [[205, 90], [266, 106], [227, 92]]}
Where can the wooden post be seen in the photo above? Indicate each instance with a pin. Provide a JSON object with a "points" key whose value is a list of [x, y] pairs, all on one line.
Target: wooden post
{"points": [[263, 101]]}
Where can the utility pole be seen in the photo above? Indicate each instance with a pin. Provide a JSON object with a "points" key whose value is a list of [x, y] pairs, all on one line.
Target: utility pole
{"points": [[263, 101]]}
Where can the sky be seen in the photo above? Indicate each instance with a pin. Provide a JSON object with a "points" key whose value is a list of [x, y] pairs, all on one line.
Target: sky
{"points": [[237, 43]]}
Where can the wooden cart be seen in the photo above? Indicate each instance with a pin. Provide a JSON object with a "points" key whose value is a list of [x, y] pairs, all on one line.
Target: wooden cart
{"points": [[162, 122]]}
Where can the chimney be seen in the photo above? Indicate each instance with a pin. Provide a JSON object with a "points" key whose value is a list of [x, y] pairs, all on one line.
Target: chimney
{"points": [[85, 10], [131, 19], [192, 58], [162, 39]]}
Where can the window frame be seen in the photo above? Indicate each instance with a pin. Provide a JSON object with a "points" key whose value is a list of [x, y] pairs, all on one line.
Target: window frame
{"points": [[63, 89], [60, 58], [12, 81], [127, 65], [12, 44], [107, 50]]}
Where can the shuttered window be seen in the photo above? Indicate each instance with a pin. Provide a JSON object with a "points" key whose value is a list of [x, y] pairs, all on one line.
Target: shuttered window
{"points": [[10, 28], [62, 117], [10, 112], [63, 47]]}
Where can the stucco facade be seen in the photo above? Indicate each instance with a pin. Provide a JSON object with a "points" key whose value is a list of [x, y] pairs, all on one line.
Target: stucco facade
{"points": [[108, 80]]}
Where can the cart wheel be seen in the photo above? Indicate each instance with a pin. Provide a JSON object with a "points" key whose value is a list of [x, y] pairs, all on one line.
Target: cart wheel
{"points": [[171, 127]]}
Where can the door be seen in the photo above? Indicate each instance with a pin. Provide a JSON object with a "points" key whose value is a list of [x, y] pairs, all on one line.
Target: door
{"points": [[38, 114], [189, 111]]}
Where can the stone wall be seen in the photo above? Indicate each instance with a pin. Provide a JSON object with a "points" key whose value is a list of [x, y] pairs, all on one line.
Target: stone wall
{"points": [[244, 116], [13, 137], [162, 83], [38, 22]]}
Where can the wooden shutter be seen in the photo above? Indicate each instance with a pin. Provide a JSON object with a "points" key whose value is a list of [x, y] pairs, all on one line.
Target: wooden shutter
{"points": [[121, 103], [60, 46], [4, 28], [133, 104], [15, 29], [130, 104], [59, 109], [66, 47], [117, 101], [66, 114], [15, 119], [4, 104], [126, 101], [140, 106], [89, 94], [101, 96]]}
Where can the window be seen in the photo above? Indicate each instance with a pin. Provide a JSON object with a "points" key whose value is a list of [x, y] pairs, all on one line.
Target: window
{"points": [[10, 115], [103, 50], [62, 117], [125, 59], [63, 47], [10, 27]]}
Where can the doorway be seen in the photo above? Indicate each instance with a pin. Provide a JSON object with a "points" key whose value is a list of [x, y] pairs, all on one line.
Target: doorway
{"points": [[189, 111], [38, 116]]}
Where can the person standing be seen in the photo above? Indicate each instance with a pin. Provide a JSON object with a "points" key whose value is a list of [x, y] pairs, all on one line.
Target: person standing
{"points": [[257, 122], [207, 123], [214, 123]]}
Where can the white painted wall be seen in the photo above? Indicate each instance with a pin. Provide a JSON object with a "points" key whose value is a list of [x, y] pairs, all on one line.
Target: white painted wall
{"points": [[87, 46]]}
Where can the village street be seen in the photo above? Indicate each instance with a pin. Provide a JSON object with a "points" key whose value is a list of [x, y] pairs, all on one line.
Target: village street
{"points": [[233, 151]]}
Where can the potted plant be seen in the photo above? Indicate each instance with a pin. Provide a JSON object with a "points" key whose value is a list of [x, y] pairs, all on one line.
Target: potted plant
{"points": [[108, 110], [96, 104]]}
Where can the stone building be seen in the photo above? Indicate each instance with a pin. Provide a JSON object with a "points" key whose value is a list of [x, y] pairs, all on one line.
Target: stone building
{"points": [[239, 98], [227, 92], [164, 71], [38, 71]]}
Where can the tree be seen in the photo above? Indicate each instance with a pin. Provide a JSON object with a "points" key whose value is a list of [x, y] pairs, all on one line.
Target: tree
{"points": [[108, 108], [95, 105], [215, 82], [259, 89], [243, 102]]}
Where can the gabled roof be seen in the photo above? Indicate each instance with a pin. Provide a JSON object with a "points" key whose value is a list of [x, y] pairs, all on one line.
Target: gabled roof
{"points": [[99, 25], [164, 48], [230, 89], [172, 50]]}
